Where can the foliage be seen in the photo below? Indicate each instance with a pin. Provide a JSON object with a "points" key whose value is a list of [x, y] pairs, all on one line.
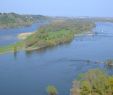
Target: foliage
{"points": [[12, 47], [12, 20], [94, 82], [57, 32], [51, 90]]}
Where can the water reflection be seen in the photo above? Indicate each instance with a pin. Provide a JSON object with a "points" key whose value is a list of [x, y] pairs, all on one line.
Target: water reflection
{"points": [[15, 55], [9, 36]]}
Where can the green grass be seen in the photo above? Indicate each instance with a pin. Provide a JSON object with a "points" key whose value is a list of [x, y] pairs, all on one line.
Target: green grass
{"points": [[12, 47]]}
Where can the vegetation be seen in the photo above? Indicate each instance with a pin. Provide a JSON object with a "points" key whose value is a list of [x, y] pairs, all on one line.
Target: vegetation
{"points": [[51, 90], [12, 48], [12, 20], [58, 32], [94, 82]]}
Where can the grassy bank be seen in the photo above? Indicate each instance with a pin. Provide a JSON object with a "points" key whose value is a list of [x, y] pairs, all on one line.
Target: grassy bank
{"points": [[12, 48]]}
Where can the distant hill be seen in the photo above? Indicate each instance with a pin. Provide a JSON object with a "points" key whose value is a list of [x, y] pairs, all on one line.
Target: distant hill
{"points": [[12, 20]]}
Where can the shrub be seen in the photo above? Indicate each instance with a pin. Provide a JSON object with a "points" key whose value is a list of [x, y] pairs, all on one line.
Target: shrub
{"points": [[51, 90], [94, 82]]}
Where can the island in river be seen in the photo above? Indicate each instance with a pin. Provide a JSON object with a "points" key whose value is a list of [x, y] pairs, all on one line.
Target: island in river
{"points": [[57, 32]]}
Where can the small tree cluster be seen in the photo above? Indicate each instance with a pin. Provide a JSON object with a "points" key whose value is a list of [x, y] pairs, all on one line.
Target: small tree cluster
{"points": [[94, 82]]}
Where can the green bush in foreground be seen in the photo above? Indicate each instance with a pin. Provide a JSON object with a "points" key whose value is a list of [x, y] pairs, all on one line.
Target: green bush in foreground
{"points": [[51, 90], [94, 82]]}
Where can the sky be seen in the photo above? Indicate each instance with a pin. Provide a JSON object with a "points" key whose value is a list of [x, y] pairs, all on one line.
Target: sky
{"points": [[71, 8]]}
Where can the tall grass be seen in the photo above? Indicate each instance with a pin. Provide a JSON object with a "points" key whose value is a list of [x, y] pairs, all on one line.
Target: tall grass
{"points": [[12, 47]]}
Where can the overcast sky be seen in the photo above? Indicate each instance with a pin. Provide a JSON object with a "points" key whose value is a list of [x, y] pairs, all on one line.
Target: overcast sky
{"points": [[59, 7]]}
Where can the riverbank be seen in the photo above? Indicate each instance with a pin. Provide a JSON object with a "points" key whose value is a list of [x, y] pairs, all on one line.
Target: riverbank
{"points": [[12, 48]]}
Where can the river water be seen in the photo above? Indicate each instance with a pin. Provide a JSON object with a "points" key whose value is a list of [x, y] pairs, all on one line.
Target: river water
{"points": [[29, 73], [9, 36]]}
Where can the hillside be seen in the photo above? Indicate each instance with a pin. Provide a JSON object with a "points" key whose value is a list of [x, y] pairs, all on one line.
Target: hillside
{"points": [[12, 20]]}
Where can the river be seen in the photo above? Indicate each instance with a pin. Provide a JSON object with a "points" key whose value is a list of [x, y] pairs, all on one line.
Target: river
{"points": [[29, 73]]}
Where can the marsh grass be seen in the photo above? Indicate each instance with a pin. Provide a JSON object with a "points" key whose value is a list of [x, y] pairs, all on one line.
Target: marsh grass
{"points": [[12, 47]]}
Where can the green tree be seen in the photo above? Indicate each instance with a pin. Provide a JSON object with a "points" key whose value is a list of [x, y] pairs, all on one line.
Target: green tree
{"points": [[94, 82]]}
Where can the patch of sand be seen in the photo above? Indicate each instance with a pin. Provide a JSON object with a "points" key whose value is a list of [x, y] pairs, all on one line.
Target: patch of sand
{"points": [[23, 36]]}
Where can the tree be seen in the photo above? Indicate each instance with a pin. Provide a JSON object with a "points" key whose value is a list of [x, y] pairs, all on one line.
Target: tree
{"points": [[94, 82]]}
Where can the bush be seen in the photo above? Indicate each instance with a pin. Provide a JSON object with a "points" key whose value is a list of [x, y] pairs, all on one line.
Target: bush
{"points": [[51, 90], [94, 82]]}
